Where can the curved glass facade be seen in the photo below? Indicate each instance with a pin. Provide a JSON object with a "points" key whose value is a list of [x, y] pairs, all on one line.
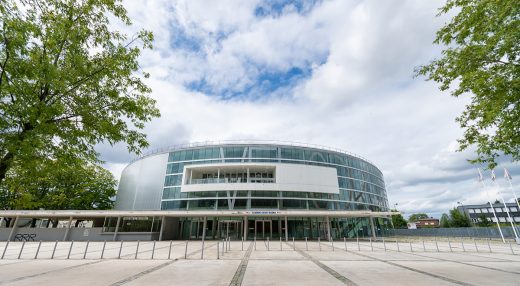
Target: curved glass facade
{"points": [[360, 183]]}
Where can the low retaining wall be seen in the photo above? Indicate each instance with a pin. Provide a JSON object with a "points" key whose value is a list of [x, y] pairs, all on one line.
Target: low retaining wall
{"points": [[76, 234]]}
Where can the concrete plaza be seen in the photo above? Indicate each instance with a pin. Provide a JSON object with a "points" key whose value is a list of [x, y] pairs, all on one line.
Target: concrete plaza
{"points": [[405, 262]]}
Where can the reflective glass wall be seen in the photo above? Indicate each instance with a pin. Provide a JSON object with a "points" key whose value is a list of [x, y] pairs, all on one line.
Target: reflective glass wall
{"points": [[361, 184]]}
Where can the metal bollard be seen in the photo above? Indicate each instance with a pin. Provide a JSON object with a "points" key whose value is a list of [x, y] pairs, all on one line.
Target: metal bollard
{"points": [[242, 247], [345, 241], [475, 242], [186, 250], [136, 250], [371, 247], [462, 243], [223, 247], [54, 250], [423, 246], [293, 247], [153, 249], [170, 249], [120, 248], [218, 251], [358, 247], [103, 250], [411, 249], [202, 250], [436, 245], [280, 243], [449, 244], [332, 242], [229, 243], [319, 243], [268, 244], [23, 244], [70, 249], [397, 244], [306, 246], [384, 243], [5, 249], [86, 249], [255, 242], [489, 246], [38, 250], [510, 247]]}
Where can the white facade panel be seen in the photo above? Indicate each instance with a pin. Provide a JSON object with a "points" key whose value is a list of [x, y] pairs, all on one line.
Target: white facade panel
{"points": [[288, 177], [142, 184]]}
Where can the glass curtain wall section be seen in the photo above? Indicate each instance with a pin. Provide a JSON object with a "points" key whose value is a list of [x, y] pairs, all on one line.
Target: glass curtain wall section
{"points": [[361, 184]]}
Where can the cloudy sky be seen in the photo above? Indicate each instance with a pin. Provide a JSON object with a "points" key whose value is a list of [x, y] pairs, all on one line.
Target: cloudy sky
{"points": [[334, 73]]}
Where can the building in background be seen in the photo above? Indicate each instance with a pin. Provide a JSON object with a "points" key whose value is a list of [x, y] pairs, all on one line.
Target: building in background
{"points": [[476, 211]]}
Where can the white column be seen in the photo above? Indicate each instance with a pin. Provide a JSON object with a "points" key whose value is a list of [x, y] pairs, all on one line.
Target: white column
{"points": [[328, 228], [13, 229], [117, 228], [162, 227], [286, 230], [68, 229]]}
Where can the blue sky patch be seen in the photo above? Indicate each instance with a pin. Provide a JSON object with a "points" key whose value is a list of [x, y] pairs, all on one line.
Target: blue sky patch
{"points": [[277, 8]]}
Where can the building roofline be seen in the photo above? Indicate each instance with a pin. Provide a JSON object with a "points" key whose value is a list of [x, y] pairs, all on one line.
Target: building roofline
{"points": [[171, 148]]}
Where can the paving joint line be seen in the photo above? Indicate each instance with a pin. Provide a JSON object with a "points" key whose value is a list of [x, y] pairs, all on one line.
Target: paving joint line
{"points": [[415, 270], [50, 271], [327, 269], [242, 267], [143, 273]]}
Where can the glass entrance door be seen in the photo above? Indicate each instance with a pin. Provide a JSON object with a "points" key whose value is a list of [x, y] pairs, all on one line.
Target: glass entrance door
{"points": [[230, 228], [263, 229]]}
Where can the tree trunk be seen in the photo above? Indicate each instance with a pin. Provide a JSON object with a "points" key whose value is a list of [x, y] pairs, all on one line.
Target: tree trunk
{"points": [[5, 163]]}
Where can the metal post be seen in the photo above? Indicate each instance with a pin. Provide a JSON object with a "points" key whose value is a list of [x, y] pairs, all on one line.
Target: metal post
{"points": [[306, 246], [103, 250], [5, 249], [319, 243], [436, 245], [38, 250], [186, 251], [54, 250], [397, 244], [371, 247], [475, 242], [384, 243], [153, 249], [358, 248], [204, 225], [267, 243], [280, 243], [423, 246], [489, 246], [170, 249], [86, 249], [255, 242], [286, 230], [120, 248], [462, 243], [449, 244], [411, 249], [117, 228], [163, 221], [345, 241], [23, 244], [70, 249], [229, 243], [136, 250], [294, 248], [13, 229], [510, 247], [328, 229], [65, 236], [242, 247], [218, 251], [223, 247]]}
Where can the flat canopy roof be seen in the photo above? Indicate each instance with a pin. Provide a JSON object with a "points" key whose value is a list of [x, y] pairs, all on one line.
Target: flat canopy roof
{"points": [[166, 213]]}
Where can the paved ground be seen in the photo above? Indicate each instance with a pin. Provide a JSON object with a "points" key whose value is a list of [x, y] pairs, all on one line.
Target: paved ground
{"points": [[273, 263]]}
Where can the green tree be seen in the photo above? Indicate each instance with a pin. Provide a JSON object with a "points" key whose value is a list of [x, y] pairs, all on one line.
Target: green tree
{"points": [[415, 217], [483, 221], [445, 221], [482, 60], [68, 82], [459, 219], [398, 221]]}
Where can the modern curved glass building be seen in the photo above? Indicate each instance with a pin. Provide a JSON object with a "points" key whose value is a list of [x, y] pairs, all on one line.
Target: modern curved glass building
{"points": [[247, 189]]}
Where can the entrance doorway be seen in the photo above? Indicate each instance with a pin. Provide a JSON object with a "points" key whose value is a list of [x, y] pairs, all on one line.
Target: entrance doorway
{"points": [[230, 228], [263, 229]]}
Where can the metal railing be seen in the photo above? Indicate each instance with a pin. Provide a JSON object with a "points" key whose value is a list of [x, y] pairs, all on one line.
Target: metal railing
{"points": [[230, 181]]}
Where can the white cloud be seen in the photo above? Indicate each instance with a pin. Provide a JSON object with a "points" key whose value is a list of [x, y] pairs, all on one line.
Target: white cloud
{"points": [[361, 95]]}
